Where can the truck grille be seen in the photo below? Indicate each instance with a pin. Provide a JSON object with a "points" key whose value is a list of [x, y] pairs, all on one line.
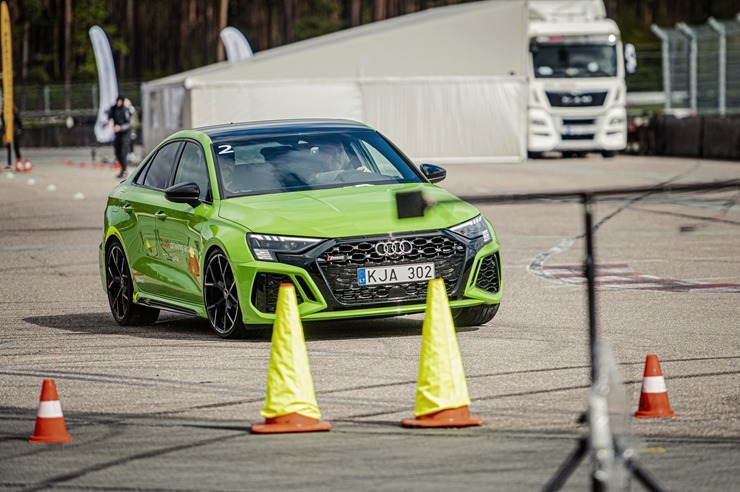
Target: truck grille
{"points": [[569, 99], [576, 122], [339, 266]]}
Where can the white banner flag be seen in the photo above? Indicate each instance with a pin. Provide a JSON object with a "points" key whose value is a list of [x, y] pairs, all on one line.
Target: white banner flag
{"points": [[237, 46], [107, 81]]}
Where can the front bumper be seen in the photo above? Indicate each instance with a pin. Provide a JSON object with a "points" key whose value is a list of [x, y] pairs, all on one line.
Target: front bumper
{"points": [[326, 278], [577, 131]]}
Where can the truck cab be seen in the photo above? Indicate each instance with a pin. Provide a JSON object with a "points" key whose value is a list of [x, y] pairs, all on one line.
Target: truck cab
{"points": [[577, 91]]}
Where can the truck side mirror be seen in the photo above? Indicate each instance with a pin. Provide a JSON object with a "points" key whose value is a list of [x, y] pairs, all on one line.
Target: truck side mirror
{"points": [[630, 58]]}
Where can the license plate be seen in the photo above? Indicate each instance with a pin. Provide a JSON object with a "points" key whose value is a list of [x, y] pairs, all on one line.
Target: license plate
{"points": [[418, 272], [578, 129]]}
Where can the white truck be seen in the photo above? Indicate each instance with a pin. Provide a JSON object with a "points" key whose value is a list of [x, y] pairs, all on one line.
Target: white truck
{"points": [[577, 91]]}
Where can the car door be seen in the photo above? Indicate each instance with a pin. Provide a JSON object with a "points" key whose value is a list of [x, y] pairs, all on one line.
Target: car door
{"points": [[143, 202], [180, 228]]}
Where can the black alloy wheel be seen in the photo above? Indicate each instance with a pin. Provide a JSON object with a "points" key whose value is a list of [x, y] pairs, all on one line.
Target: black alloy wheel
{"points": [[120, 290], [221, 297]]}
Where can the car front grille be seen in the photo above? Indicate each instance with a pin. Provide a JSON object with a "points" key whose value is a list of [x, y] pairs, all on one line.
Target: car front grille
{"points": [[339, 265], [488, 276]]}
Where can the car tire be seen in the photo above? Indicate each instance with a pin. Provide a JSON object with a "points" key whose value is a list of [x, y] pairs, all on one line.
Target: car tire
{"points": [[608, 154], [221, 297], [474, 316], [120, 289]]}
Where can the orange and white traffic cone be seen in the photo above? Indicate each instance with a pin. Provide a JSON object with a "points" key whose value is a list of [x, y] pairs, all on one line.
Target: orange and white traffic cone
{"points": [[27, 168], [50, 426], [654, 396], [18, 166]]}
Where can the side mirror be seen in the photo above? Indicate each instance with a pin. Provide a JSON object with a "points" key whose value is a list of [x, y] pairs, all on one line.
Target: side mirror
{"points": [[630, 58], [433, 173], [183, 193]]}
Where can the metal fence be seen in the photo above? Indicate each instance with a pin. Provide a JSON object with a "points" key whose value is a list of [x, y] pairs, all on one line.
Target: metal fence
{"points": [[37, 100], [701, 66]]}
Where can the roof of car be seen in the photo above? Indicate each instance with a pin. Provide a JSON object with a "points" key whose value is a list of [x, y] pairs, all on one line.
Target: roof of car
{"points": [[230, 130]]}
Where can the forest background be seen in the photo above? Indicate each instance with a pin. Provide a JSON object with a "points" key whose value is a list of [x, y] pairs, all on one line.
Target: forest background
{"points": [[155, 38]]}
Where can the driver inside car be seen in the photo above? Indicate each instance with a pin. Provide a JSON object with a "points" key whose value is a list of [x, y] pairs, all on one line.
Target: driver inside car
{"points": [[335, 162], [227, 165]]}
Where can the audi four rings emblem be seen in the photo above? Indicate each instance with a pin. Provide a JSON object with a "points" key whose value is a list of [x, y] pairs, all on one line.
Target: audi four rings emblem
{"points": [[393, 248]]}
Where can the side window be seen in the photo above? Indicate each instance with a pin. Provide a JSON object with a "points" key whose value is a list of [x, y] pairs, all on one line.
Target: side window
{"points": [[192, 168], [139, 179], [161, 166]]}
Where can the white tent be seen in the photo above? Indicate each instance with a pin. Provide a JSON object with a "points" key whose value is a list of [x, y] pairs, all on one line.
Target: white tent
{"points": [[446, 84]]}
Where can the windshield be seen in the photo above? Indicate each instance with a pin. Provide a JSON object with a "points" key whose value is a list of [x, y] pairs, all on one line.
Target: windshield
{"points": [[553, 60], [282, 163]]}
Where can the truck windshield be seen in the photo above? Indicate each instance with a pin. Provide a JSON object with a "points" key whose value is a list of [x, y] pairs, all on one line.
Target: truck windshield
{"points": [[574, 60]]}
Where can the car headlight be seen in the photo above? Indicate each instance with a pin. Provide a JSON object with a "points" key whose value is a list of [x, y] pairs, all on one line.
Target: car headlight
{"points": [[264, 247], [474, 228]]}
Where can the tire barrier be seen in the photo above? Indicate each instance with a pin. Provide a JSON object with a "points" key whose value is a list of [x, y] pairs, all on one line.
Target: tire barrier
{"points": [[684, 137], [709, 137], [721, 138]]}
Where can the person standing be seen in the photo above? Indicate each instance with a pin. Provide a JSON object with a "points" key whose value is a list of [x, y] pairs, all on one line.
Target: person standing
{"points": [[17, 131], [120, 116]]}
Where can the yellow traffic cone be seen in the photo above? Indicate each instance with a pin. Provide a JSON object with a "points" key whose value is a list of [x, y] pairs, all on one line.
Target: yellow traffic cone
{"points": [[290, 404], [442, 398]]}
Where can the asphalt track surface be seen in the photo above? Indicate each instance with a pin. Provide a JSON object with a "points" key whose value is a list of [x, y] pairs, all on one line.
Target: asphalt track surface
{"points": [[168, 407]]}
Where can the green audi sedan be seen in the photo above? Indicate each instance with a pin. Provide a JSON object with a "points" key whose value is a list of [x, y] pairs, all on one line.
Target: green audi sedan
{"points": [[214, 219]]}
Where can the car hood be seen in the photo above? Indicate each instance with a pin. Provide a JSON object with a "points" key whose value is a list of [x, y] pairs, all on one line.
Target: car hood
{"points": [[343, 212]]}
